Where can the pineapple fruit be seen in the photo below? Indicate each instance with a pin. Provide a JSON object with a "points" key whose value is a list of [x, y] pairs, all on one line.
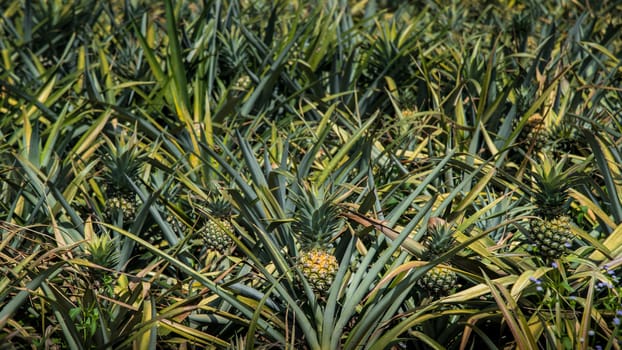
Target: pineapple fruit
{"points": [[534, 132], [216, 231], [550, 229], [120, 201], [440, 280], [316, 222], [122, 166], [319, 268]]}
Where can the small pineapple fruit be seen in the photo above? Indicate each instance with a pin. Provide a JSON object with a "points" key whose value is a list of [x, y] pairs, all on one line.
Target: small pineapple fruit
{"points": [[122, 162], [295, 54], [243, 83], [317, 221], [534, 132], [319, 268], [216, 231], [441, 279], [119, 201], [550, 229]]}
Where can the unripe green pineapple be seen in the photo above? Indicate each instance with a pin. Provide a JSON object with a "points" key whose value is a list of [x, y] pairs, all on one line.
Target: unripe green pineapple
{"points": [[216, 231], [317, 221], [122, 161], [441, 279], [215, 234], [243, 83], [553, 237], [295, 54], [121, 202], [550, 229]]}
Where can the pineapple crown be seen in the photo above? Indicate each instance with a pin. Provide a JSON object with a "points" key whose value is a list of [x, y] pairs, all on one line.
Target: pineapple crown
{"points": [[102, 251], [552, 180], [213, 202], [318, 216], [123, 161], [219, 206], [439, 238], [408, 99], [566, 128], [566, 131]]}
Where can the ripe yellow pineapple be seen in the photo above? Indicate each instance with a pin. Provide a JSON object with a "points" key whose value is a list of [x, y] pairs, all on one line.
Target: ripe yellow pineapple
{"points": [[441, 279], [550, 229], [319, 268], [317, 221]]}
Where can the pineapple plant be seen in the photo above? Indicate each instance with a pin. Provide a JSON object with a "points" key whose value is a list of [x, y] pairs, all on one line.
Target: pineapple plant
{"points": [[387, 54], [123, 163], [550, 228], [215, 233], [316, 222], [101, 250], [232, 53], [441, 279]]}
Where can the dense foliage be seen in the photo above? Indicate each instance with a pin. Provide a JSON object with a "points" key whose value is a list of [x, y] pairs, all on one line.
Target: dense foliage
{"points": [[330, 174]]}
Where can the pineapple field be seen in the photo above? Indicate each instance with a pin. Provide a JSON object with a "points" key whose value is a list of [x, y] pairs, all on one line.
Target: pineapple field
{"points": [[330, 174]]}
